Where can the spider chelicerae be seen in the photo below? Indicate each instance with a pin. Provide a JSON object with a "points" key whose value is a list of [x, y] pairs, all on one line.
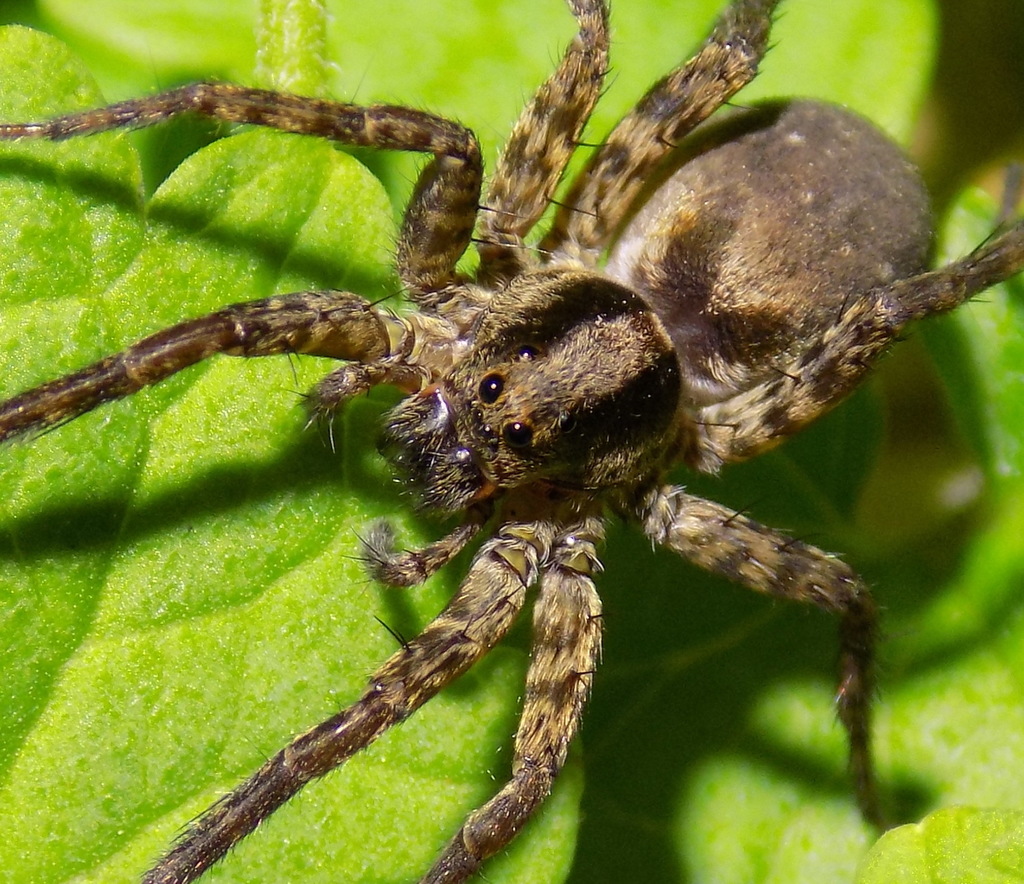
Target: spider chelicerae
{"points": [[543, 395]]}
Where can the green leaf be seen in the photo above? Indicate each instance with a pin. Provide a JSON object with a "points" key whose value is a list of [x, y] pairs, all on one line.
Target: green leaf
{"points": [[959, 846], [179, 590]]}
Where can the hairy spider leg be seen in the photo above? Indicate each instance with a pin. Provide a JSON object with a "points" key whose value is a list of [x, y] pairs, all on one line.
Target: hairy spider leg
{"points": [[438, 222], [727, 543], [334, 324], [758, 419], [565, 651], [541, 143], [604, 192], [411, 567], [478, 617]]}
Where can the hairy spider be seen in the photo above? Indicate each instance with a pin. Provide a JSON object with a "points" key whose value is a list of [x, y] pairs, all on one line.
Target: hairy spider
{"points": [[744, 296]]}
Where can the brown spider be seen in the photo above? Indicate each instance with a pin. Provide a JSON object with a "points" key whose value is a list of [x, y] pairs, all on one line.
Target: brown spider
{"points": [[748, 295]]}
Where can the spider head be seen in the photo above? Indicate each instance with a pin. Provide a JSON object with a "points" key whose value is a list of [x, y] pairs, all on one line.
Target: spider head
{"points": [[569, 379]]}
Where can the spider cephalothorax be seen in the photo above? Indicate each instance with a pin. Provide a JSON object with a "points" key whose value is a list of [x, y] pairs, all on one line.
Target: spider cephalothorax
{"points": [[754, 276], [534, 399]]}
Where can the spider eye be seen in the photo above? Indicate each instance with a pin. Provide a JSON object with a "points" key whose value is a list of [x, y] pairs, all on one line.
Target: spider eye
{"points": [[526, 352], [491, 387], [566, 422], [517, 434]]}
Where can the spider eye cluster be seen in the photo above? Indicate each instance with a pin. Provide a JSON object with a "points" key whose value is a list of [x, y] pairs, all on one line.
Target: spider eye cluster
{"points": [[516, 433], [570, 379]]}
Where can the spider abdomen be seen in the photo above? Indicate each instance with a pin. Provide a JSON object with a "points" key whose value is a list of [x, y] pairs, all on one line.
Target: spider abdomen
{"points": [[776, 219]]}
